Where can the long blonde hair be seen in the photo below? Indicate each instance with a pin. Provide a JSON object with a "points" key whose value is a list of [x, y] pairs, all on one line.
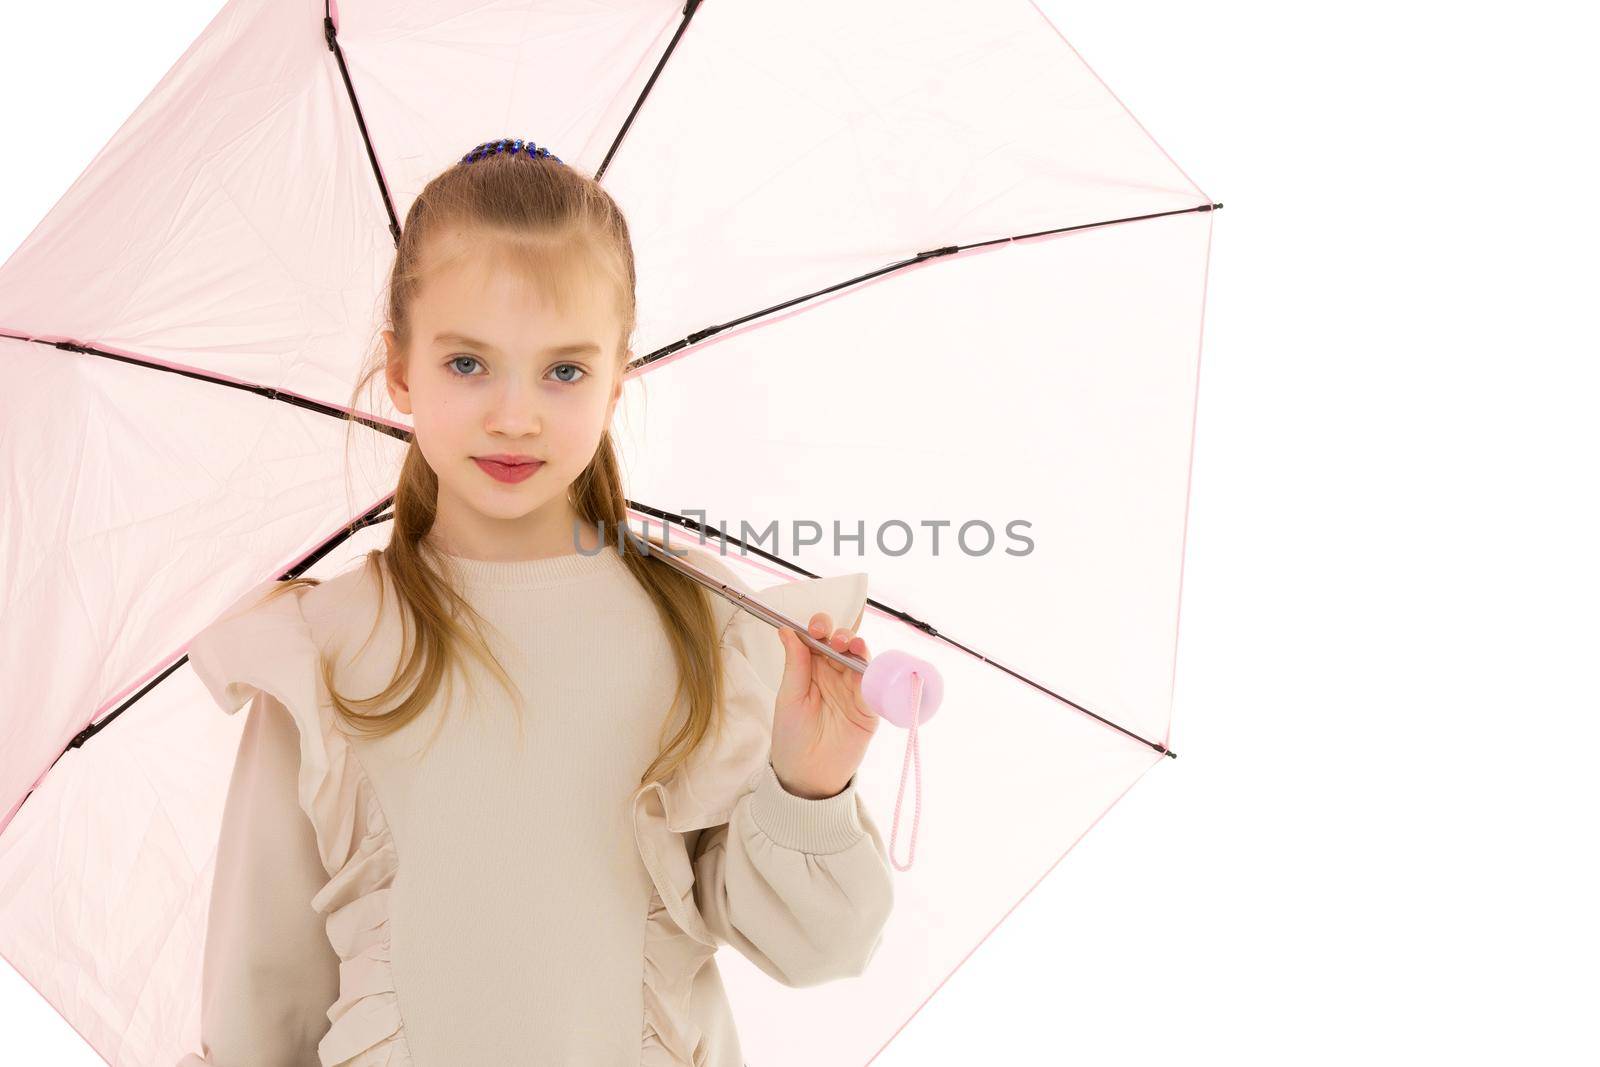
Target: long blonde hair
{"points": [[562, 229]]}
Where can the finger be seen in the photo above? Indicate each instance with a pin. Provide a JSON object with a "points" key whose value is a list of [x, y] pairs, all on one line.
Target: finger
{"points": [[797, 667], [821, 623], [839, 641]]}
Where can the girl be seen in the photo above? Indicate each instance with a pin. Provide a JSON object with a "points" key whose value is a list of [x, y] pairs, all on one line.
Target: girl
{"points": [[535, 866]]}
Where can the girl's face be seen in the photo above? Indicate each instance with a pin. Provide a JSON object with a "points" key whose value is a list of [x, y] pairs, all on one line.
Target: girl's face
{"points": [[494, 369]]}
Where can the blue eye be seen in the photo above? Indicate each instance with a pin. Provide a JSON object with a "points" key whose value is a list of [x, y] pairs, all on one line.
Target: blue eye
{"points": [[474, 359]]}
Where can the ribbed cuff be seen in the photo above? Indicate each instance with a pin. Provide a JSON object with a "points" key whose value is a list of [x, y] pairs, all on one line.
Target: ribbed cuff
{"points": [[815, 826]]}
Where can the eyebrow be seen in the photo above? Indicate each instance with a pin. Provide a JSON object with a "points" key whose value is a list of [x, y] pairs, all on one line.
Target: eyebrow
{"points": [[577, 349]]}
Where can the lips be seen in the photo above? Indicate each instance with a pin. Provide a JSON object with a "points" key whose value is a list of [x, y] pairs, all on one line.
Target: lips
{"points": [[507, 471]]}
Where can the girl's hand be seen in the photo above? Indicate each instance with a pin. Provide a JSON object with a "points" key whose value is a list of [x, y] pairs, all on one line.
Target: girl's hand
{"points": [[821, 725]]}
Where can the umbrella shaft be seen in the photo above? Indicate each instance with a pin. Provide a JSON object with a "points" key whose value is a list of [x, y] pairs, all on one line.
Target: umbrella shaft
{"points": [[756, 608]]}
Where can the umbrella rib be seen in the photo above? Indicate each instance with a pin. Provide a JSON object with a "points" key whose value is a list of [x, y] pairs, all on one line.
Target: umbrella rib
{"points": [[934, 253], [688, 13], [270, 393], [371, 516], [368, 518], [330, 33], [908, 619]]}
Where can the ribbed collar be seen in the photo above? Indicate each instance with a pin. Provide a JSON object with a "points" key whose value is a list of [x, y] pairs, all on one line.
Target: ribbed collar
{"points": [[536, 573]]}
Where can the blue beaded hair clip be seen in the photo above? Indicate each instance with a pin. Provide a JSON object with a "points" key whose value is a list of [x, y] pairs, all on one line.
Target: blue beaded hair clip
{"points": [[490, 148]]}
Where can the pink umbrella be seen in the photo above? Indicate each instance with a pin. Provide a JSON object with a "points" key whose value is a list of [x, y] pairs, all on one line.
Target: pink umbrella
{"points": [[938, 204]]}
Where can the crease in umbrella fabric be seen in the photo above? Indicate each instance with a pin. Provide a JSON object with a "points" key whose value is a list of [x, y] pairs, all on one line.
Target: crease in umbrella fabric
{"points": [[938, 203]]}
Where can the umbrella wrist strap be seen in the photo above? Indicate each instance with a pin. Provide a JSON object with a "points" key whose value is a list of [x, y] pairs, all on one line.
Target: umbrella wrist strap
{"points": [[913, 755]]}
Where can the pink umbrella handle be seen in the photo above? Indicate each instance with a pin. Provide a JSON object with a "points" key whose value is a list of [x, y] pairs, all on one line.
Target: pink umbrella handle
{"points": [[906, 691], [897, 686], [887, 686]]}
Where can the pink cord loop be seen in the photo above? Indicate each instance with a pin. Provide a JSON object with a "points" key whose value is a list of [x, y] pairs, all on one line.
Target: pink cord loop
{"points": [[912, 753]]}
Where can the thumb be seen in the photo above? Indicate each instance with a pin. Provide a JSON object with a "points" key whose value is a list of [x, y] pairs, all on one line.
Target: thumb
{"points": [[796, 681]]}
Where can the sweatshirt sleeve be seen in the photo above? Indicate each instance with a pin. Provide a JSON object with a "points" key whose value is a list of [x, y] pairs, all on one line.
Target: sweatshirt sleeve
{"points": [[800, 887], [270, 972]]}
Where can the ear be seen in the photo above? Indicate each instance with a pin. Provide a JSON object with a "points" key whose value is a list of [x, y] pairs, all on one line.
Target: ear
{"points": [[394, 373]]}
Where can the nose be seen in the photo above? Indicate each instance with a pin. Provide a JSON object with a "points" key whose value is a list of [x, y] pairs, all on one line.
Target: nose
{"points": [[514, 412]]}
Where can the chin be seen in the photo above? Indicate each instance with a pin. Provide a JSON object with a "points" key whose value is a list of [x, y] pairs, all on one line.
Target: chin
{"points": [[505, 505]]}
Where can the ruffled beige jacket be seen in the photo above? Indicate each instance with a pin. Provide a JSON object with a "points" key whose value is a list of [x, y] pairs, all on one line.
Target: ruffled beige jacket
{"points": [[808, 881]]}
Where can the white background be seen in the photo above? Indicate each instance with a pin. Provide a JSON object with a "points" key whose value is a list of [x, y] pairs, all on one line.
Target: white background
{"points": [[1376, 845]]}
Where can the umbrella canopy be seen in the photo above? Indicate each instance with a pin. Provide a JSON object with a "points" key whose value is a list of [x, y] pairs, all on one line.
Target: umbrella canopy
{"points": [[917, 296]]}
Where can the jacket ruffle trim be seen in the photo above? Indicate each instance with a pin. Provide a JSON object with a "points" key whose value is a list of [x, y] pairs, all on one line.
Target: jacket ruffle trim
{"points": [[706, 789], [271, 648]]}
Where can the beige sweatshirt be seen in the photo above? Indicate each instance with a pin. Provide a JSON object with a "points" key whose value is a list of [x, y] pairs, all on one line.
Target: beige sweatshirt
{"points": [[506, 896]]}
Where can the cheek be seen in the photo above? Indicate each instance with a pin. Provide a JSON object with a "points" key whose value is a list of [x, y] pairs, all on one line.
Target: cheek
{"points": [[574, 417], [440, 404], [441, 418], [587, 427]]}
